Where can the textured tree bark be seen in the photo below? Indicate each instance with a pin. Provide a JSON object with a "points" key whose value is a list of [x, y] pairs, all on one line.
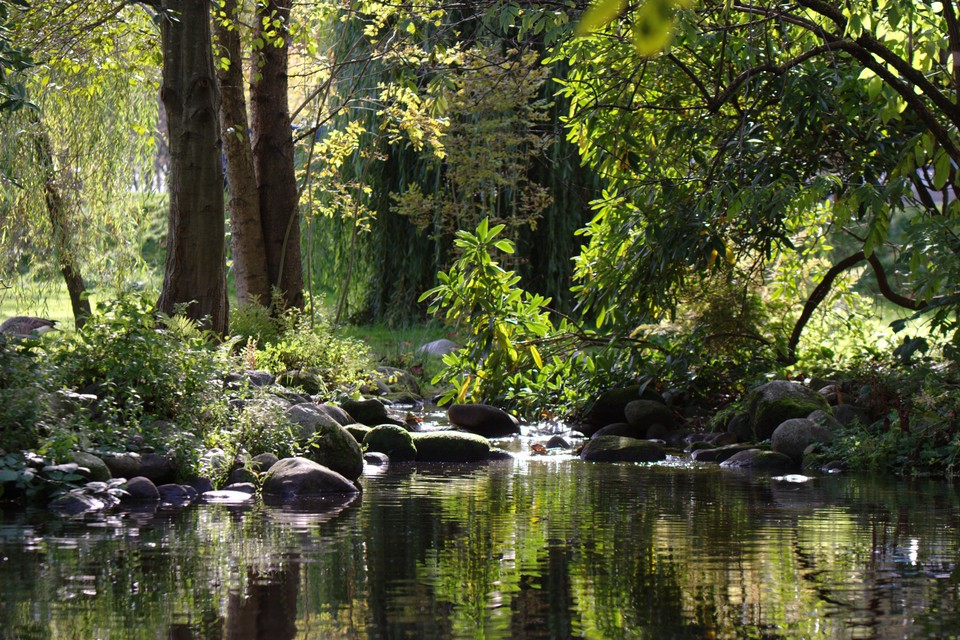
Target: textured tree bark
{"points": [[273, 155], [59, 224], [246, 233], [195, 272]]}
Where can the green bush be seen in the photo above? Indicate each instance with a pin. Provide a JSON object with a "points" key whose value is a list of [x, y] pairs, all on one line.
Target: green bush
{"points": [[309, 342], [147, 371], [21, 394]]}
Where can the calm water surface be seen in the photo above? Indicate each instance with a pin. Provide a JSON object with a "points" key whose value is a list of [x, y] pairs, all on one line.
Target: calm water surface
{"points": [[541, 547]]}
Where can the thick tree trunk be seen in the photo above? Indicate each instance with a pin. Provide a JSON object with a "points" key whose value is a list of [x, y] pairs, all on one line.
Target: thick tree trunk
{"points": [[246, 233], [59, 221], [195, 270], [273, 156]]}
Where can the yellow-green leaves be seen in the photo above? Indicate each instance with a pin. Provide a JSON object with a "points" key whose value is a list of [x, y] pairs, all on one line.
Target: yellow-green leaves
{"points": [[599, 15], [652, 22]]}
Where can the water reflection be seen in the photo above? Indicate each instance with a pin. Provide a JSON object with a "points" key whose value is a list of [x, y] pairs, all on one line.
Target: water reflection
{"points": [[548, 547]]}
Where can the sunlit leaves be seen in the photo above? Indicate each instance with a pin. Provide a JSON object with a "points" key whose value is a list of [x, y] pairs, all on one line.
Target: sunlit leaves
{"points": [[652, 22]]}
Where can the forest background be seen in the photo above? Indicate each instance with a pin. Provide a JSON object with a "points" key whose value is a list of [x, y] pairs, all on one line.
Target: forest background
{"points": [[692, 196]]}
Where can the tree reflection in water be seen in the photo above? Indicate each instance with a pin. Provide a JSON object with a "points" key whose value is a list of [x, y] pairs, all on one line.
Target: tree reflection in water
{"points": [[533, 549]]}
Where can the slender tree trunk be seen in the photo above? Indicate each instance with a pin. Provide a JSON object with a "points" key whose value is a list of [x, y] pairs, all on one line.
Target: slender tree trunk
{"points": [[273, 155], [246, 233], [59, 224], [195, 273]]}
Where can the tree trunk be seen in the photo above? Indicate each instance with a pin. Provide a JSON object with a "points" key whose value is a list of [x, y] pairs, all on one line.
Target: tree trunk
{"points": [[273, 155], [57, 215], [195, 271], [246, 233]]}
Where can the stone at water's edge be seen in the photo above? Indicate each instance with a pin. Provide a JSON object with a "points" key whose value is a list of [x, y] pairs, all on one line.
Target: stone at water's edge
{"points": [[772, 403], [123, 465], [358, 431], [293, 478], [620, 449], [483, 420], [609, 407], [97, 469], [621, 429], [718, 454], [392, 440], [370, 412], [342, 417], [140, 489], [643, 414], [451, 446], [330, 444], [760, 460], [793, 436]]}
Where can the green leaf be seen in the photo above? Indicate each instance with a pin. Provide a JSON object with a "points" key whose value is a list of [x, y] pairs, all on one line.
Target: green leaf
{"points": [[653, 27], [504, 245], [599, 15], [941, 169]]}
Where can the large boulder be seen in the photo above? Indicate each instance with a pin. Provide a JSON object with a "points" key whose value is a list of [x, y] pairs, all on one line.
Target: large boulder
{"points": [[159, 468], [451, 446], [392, 440], [772, 403], [483, 420], [310, 419], [370, 412], [643, 414], [96, 469], [329, 444], [342, 417], [438, 348], [619, 449], [609, 407], [793, 436], [123, 465], [307, 379], [760, 460], [293, 478]]}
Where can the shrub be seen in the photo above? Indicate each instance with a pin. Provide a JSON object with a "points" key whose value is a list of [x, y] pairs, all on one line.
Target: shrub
{"points": [[21, 394], [146, 370]]}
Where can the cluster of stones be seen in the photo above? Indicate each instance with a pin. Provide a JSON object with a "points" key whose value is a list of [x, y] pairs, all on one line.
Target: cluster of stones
{"points": [[343, 440], [775, 429]]}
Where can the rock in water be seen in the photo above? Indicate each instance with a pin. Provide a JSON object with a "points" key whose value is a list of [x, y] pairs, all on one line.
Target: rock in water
{"points": [[483, 420], [293, 478]]}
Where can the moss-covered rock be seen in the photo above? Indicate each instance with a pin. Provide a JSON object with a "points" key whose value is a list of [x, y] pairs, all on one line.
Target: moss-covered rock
{"points": [[96, 469], [358, 431], [793, 437], [370, 411], [773, 403], [451, 446], [328, 443], [392, 440]]}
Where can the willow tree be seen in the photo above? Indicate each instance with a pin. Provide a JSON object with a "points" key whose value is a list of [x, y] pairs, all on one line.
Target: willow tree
{"points": [[77, 146]]}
